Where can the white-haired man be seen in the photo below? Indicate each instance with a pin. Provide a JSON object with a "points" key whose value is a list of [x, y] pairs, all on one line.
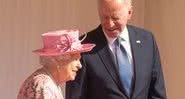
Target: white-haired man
{"points": [[125, 63]]}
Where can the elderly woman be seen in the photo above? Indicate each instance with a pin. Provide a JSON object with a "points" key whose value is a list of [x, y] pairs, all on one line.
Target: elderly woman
{"points": [[60, 60]]}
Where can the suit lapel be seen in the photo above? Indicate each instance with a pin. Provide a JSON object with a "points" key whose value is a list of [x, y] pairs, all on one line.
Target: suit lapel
{"points": [[107, 57], [137, 52]]}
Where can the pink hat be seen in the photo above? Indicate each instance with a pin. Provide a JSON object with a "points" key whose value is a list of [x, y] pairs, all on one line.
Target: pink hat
{"points": [[62, 42]]}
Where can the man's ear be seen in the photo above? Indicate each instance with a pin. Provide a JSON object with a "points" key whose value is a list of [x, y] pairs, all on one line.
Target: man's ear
{"points": [[130, 11]]}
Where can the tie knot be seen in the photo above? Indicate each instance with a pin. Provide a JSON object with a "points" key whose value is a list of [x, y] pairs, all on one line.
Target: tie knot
{"points": [[118, 41]]}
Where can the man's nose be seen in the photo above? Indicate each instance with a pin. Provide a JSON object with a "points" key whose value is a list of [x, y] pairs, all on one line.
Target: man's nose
{"points": [[110, 23]]}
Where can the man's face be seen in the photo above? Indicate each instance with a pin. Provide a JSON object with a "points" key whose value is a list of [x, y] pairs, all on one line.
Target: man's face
{"points": [[114, 16]]}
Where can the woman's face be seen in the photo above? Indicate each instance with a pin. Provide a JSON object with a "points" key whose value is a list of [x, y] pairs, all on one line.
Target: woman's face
{"points": [[69, 65]]}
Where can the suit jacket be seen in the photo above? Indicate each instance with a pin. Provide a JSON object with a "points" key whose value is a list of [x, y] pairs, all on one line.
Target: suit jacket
{"points": [[99, 78]]}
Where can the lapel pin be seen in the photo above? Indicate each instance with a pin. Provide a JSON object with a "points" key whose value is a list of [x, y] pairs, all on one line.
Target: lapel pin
{"points": [[138, 41]]}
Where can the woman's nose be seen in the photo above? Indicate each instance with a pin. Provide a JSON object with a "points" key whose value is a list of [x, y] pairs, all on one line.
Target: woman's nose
{"points": [[79, 65]]}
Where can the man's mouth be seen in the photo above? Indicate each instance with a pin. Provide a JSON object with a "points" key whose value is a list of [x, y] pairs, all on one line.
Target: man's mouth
{"points": [[113, 30]]}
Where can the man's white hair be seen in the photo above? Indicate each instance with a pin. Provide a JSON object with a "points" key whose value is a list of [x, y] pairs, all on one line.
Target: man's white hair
{"points": [[129, 2]]}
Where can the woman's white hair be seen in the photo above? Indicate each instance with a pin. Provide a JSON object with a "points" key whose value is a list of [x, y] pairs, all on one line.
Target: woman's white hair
{"points": [[48, 61]]}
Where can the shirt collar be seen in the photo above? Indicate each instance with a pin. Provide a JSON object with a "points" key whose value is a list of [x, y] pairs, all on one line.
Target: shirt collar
{"points": [[125, 35]]}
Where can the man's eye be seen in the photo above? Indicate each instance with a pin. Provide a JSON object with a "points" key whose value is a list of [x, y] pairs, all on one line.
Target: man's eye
{"points": [[115, 18]]}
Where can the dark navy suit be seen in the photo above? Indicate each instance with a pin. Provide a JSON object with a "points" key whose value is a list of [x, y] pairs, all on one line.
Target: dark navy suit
{"points": [[99, 78]]}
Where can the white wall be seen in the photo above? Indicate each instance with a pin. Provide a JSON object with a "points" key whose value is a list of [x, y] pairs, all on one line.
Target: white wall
{"points": [[166, 18], [22, 22]]}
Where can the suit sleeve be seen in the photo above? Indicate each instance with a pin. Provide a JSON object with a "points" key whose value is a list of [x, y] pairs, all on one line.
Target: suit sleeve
{"points": [[157, 87]]}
